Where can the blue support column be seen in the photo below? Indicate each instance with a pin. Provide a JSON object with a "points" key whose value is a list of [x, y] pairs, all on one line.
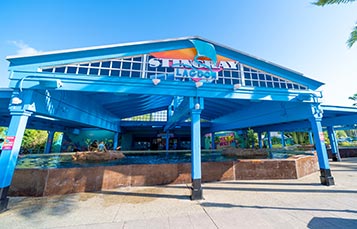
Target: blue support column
{"points": [[49, 141], [196, 106], [319, 139], [311, 139], [334, 145], [10, 152], [270, 145], [260, 143], [167, 140], [213, 144], [282, 139], [115, 140]]}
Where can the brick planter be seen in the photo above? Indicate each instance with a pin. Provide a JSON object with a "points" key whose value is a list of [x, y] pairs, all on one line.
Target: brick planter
{"points": [[46, 182]]}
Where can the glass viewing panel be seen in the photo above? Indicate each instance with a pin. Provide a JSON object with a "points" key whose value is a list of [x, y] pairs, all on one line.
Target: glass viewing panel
{"points": [[156, 116], [139, 67]]}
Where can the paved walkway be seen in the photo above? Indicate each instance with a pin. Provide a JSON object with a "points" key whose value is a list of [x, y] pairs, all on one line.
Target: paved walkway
{"points": [[302, 203]]}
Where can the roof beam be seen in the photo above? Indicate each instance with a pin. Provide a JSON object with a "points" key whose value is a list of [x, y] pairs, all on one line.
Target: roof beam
{"points": [[261, 114], [340, 120], [74, 108], [126, 85], [181, 113], [298, 126], [96, 53]]}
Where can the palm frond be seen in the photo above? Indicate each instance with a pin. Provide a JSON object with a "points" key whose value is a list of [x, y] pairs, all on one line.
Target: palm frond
{"points": [[353, 37], [354, 97], [328, 2]]}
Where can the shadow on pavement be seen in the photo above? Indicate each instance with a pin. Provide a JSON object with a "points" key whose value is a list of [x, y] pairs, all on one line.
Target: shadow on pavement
{"points": [[279, 190], [227, 205], [30, 207], [148, 195], [270, 183], [322, 222]]}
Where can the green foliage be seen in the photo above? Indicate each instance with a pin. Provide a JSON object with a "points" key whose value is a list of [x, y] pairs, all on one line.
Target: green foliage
{"points": [[34, 140], [347, 144], [3, 132], [301, 138], [145, 117], [328, 2], [354, 97], [56, 144], [351, 40], [327, 139], [251, 137], [277, 146], [341, 134], [275, 141], [351, 133], [353, 35]]}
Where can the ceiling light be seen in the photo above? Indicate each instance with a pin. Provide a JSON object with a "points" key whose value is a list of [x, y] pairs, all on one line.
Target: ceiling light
{"points": [[156, 81]]}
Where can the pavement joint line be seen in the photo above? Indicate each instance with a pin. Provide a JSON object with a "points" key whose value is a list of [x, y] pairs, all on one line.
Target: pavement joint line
{"points": [[204, 209]]}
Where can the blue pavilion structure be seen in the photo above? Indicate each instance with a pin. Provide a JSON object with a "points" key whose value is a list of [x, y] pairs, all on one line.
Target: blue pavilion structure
{"points": [[199, 87]]}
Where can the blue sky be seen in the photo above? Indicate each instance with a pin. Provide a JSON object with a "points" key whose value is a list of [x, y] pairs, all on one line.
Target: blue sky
{"points": [[291, 33]]}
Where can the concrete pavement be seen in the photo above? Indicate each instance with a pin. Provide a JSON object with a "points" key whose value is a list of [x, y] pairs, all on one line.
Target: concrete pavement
{"points": [[302, 203]]}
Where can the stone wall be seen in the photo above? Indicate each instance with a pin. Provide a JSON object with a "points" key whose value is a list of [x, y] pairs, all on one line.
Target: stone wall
{"points": [[40, 182], [345, 152]]}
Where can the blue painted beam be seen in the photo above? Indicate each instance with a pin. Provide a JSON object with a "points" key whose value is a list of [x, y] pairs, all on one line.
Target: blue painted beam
{"points": [[30, 80], [282, 139], [141, 123], [213, 144], [115, 141], [347, 127], [270, 145], [311, 138], [346, 121], [49, 141], [260, 114], [269, 67], [48, 125], [196, 151], [138, 48], [96, 53], [69, 107], [5, 93], [319, 139], [181, 113], [10, 152], [341, 120], [334, 145], [260, 143], [295, 126], [339, 109]]}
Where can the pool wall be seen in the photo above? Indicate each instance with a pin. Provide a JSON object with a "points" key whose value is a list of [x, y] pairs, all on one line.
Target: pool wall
{"points": [[46, 182], [345, 152]]}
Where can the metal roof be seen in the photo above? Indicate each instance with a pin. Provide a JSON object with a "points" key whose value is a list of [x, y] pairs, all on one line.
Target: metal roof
{"points": [[64, 102]]}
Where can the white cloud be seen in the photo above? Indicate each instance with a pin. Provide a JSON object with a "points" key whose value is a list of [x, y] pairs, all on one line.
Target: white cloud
{"points": [[24, 49]]}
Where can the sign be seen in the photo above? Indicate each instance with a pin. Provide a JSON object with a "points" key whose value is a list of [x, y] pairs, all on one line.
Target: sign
{"points": [[163, 135], [322, 137], [8, 143], [190, 63], [166, 63], [226, 140]]}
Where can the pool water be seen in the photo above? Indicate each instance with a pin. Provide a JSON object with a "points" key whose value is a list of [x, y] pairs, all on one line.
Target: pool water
{"points": [[45, 161]]}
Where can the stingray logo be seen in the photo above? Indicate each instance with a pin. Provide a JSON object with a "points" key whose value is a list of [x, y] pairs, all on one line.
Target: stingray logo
{"points": [[199, 63], [200, 69]]}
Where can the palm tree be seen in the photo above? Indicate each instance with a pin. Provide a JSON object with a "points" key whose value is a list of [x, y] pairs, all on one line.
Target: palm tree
{"points": [[354, 98], [353, 35]]}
